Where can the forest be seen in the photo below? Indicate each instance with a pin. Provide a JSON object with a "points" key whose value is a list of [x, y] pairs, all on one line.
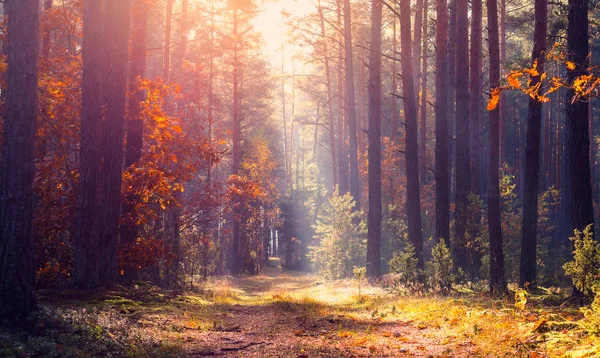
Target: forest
{"points": [[300, 178]]}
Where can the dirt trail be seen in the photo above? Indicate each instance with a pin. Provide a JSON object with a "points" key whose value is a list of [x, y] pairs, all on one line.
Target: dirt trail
{"points": [[283, 314]]}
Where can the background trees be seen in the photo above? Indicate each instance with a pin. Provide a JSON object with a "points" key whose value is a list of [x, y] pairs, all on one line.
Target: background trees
{"points": [[221, 146]]}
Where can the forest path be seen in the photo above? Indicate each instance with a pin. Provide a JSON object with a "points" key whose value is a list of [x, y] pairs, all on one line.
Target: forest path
{"points": [[290, 314]]}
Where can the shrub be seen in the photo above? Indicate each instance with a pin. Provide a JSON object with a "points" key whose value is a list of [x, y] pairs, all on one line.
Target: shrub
{"points": [[440, 267], [404, 264], [342, 238], [586, 260]]}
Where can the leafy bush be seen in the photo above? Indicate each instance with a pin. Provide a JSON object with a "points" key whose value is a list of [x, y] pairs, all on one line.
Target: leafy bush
{"points": [[440, 267], [404, 264], [359, 275], [342, 238], [584, 268]]}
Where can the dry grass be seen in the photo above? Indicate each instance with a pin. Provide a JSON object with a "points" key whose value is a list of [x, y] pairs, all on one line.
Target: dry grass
{"points": [[283, 314]]}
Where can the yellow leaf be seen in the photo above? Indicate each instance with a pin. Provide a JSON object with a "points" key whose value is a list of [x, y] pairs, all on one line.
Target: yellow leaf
{"points": [[494, 99], [570, 65]]}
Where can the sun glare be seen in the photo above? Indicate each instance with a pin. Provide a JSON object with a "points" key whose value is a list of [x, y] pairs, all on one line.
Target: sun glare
{"points": [[271, 24]]}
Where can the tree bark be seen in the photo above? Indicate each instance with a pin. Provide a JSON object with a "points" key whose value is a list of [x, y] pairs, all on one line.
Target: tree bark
{"points": [[351, 104], [341, 129], [442, 175], [329, 98], [423, 110], [463, 136], [135, 125], [374, 154], [17, 271], [582, 211], [532, 155], [497, 277], [413, 197], [117, 14], [47, 6], [475, 89], [476, 134], [235, 260], [86, 270]]}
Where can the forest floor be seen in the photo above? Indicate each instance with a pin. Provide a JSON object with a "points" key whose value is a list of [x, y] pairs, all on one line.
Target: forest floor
{"points": [[288, 314]]}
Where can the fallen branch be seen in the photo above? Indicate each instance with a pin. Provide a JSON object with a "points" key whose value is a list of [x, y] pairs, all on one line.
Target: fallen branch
{"points": [[251, 344]]}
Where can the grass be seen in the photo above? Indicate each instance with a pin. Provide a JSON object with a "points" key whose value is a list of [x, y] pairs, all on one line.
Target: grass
{"points": [[296, 315]]}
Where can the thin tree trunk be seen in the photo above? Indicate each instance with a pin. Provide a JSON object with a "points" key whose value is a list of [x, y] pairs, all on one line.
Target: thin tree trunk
{"points": [[47, 6], [582, 212], [351, 104], [423, 110], [17, 271], [420, 18], [329, 99], [442, 175], [135, 126], [86, 266], [475, 88], [463, 135], [167, 43], [341, 129], [532, 159], [375, 211], [117, 15], [235, 258], [413, 197], [497, 277]]}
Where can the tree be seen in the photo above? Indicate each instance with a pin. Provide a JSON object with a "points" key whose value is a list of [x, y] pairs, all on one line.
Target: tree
{"points": [[86, 270], [532, 154], [475, 116], [582, 211], [351, 104], [329, 94], [413, 196], [497, 277], [475, 89], [17, 272], [135, 124], [442, 174], [116, 18], [463, 160], [375, 211]]}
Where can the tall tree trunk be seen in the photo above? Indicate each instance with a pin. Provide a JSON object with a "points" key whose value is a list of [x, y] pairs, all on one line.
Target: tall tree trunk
{"points": [[375, 211], [135, 125], [351, 104], [341, 129], [167, 43], [442, 174], [532, 152], [47, 6], [174, 212], [582, 211], [451, 65], [502, 105], [413, 197], [286, 148], [463, 160], [235, 258], [117, 15], [497, 277], [329, 97], [475, 89], [17, 271], [86, 269], [476, 135], [423, 110], [420, 17]]}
